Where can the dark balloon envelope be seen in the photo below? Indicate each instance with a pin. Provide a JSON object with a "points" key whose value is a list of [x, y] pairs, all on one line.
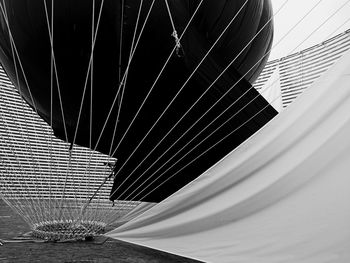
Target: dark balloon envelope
{"points": [[73, 27]]}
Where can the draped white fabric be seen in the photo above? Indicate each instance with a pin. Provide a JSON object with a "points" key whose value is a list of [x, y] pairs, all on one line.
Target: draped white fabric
{"points": [[271, 91], [282, 196]]}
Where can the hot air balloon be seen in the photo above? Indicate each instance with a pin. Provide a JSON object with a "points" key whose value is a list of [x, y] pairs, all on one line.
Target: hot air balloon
{"points": [[102, 72]]}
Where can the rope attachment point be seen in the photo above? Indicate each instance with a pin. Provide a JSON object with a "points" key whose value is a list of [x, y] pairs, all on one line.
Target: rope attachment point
{"points": [[178, 50], [178, 47]]}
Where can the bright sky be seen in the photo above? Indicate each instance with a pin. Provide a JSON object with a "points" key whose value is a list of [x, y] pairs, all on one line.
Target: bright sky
{"points": [[294, 10]]}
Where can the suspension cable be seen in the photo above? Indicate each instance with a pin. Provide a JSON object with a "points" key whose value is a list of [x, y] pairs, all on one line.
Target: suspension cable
{"points": [[54, 67], [174, 33], [123, 83], [88, 72], [125, 74]]}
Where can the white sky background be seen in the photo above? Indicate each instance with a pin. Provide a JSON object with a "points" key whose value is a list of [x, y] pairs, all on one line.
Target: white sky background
{"points": [[294, 10]]}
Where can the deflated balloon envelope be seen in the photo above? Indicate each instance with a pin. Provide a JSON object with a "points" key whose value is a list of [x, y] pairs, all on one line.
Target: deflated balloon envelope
{"points": [[76, 85]]}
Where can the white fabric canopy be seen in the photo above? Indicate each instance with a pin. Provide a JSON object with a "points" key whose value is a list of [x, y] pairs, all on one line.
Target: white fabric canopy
{"points": [[282, 196]]}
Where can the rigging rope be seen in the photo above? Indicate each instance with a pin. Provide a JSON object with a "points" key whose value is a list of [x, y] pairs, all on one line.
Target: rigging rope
{"points": [[125, 74], [123, 83], [122, 3], [11, 146], [51, 103], [53, 66], [174, 33], [88, 70]]}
